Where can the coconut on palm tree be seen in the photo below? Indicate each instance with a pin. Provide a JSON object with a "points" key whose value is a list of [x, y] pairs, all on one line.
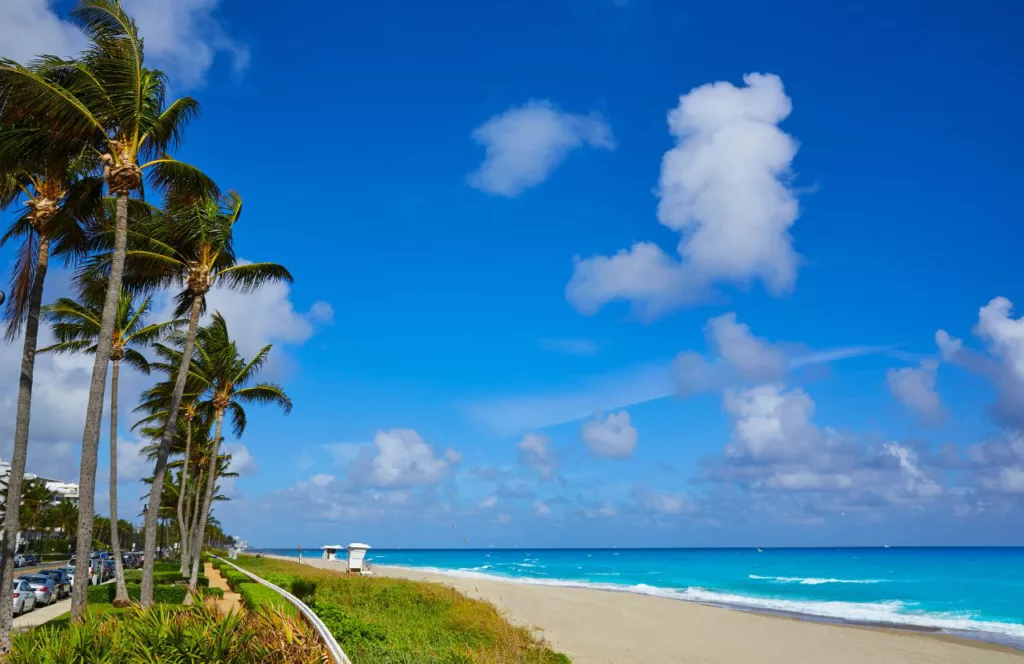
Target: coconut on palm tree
{"points": [[109, 102], [191, 249], [76, 327]]}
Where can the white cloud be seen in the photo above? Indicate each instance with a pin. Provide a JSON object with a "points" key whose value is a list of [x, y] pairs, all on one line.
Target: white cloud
{"points": [[401, 458], [242, 461], [661, 502], [612, 436], [488, 502], [535, 452], [266, 315], [914, 387], [1004, 334], [525, 144], [182, 36], [540, 508], [30, 27], [725, 188], [741, 358], [1003, 364], [771, 423]]}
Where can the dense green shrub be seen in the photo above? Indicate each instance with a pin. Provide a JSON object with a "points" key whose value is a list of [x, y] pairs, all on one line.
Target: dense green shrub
{"points": [[171, 634], [256, 596], [235, 578], [347, 629], [163, 577], [162, 594], [212, 592], [303, 588]]}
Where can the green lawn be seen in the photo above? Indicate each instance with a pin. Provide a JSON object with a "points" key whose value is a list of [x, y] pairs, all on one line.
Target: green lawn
{"points": [[395, 621]]}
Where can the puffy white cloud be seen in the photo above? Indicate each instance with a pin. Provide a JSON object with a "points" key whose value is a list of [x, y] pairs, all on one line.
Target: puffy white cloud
{"points": [[1004, 334], [914, 387], [525, 144], [740, 357], [242, 461], [1003, 364], [535, 452], [30, 27], [612, 436], [400, 458], [488, 502], [182, 36], [771, 423], [725, 188], [540, 508]]}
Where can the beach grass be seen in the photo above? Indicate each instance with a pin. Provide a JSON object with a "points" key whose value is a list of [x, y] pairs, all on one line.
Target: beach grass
{"points": [[397, 621]]}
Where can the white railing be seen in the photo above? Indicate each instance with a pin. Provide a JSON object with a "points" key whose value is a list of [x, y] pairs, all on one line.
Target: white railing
{"points": [[337, 653]]}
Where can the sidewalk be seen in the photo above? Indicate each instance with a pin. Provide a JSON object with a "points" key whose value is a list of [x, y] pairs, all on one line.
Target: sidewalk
{"points": [[42, 615], [232, 601]]}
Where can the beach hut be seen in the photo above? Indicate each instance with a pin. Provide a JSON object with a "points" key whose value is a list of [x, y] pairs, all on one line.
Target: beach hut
{"points": [[331, 551], [356, 553]]}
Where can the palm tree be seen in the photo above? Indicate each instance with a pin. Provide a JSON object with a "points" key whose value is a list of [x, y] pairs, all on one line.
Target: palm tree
{"points": [[76, 326], [56, 193], [190, 248], [226, 382], [110, 102], [65, 518]]}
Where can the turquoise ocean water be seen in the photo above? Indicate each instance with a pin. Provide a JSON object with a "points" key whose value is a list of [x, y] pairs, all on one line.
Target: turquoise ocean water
{"points": [[976, 592]]}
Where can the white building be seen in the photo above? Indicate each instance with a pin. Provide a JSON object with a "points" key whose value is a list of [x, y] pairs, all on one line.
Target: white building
{"points": [[64, 490]]}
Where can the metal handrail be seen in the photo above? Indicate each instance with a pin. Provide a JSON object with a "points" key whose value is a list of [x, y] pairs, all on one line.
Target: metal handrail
{"points": [[332, 645]]}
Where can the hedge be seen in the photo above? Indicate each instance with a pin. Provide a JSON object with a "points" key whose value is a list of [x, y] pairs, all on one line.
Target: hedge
{"points": [[235, 578], [105, 592], [212, 592], [256, 596], [162, 577]]}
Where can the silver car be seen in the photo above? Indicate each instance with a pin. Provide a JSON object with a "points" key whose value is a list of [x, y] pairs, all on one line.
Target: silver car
{"points": [[44, 588], [24, 597]]}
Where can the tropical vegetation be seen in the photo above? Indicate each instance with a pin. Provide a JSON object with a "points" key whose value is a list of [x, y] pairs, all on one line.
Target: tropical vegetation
{"points": [[87, 168], [382, 620]]}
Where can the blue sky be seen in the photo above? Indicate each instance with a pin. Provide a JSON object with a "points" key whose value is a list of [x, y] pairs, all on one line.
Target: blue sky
{"points": [[444, 182]]}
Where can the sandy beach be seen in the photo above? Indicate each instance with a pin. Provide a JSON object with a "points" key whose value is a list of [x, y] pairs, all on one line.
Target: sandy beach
{"points": [[602, 627]]}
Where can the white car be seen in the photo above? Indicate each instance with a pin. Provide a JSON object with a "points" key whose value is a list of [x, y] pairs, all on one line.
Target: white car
{"points": [[24, 597]]}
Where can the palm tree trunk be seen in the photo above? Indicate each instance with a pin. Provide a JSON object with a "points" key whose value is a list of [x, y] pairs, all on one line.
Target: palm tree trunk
{"points": [[194, 519], [94, 412], [12, 510], [121, 597], [146, 592], [182, 525], [211, 485]]}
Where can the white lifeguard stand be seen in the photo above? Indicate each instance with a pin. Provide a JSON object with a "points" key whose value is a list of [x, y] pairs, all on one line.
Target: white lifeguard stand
{"points": [[331, 552], [356, 553]]}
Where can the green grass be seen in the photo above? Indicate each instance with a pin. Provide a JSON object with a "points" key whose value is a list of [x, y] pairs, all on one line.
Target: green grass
{"points": [[256, 597], [396, 621]]}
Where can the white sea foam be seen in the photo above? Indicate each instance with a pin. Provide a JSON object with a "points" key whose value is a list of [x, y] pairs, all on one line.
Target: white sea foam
{"points": [[810, 581], [891, 612]]}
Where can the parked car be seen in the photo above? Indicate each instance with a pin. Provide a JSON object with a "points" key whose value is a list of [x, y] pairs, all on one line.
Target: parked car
{"points": [[24, 597], [30, 559], [43, 587], [60, 578], [94, 570]]}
